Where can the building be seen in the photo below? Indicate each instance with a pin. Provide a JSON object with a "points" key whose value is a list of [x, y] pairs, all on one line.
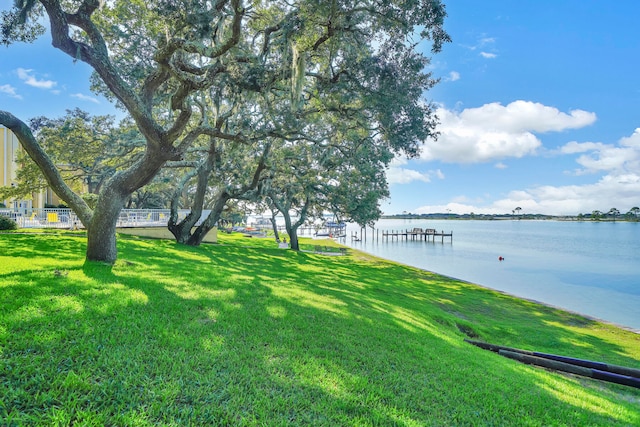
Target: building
{"points": [[9, 149]]}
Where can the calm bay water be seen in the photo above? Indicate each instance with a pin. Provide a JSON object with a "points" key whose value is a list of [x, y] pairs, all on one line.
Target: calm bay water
{"points": [[591, 268]]}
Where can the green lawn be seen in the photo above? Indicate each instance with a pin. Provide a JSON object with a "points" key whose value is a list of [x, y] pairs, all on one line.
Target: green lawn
{"points": [[242, 333]]}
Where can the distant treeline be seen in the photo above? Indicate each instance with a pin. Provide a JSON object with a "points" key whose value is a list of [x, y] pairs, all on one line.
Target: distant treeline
{"points": [[630, 216]]}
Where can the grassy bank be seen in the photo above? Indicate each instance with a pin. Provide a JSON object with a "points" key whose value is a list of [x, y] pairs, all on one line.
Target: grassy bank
{"points": [[242, 333]]}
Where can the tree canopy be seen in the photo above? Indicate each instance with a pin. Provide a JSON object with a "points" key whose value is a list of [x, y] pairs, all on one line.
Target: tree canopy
{"points": [[301, 72], [86, 149]]}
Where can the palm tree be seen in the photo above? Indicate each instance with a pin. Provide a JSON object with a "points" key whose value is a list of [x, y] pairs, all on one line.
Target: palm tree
{"points": [[613, 212], [517, 210]]}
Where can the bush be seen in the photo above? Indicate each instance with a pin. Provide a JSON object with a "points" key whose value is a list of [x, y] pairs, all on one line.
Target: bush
{"points": [[7, 223]]}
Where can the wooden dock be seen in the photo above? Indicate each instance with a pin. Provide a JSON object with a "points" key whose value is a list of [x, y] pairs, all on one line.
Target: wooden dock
{"points": [[417, 234], [428, 234]]}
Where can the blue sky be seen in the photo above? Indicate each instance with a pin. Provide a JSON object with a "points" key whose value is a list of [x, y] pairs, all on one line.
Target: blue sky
{"points": [[539, 103]]}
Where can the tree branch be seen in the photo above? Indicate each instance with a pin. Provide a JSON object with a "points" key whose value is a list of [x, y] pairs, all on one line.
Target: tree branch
{"points": [[51, 173]]}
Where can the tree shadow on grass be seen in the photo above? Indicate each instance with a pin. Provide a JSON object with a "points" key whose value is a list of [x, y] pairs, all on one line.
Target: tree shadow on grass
{"points": [[486, 313], [60, 247], [402, 305], [243, 336]]}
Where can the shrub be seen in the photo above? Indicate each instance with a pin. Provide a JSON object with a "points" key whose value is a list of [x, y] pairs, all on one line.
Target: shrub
{"points": [[7, 223]]}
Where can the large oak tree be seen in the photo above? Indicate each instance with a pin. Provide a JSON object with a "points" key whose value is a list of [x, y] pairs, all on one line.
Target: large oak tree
{"points": [[160, 61]]}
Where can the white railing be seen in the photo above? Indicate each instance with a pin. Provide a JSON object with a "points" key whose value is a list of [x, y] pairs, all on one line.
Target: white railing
{"points": [[66, 218]]}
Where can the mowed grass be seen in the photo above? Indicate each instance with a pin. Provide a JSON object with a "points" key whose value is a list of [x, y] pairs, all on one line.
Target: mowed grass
{"points": [[242, 333]]}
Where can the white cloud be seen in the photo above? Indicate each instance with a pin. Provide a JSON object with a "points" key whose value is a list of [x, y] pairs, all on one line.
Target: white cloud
{"points": [[580, 147], [482, 42], [399, 174], [29, 79], [488, 55], [596, 157], [608, 159], [453, 76], [405, 176], [10, 90], [633, 140], [500, 165], [618, 186], [610, 191], [493, 131], [84, 97], [526, 116]]}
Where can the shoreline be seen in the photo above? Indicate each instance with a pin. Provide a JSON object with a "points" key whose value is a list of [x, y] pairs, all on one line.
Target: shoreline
{"points": [[532, 300], [535, 301], [552, 262], [506, 217]]}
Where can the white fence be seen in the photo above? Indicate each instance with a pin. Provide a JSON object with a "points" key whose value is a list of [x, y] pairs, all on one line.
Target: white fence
{"points": [[66, 218]]}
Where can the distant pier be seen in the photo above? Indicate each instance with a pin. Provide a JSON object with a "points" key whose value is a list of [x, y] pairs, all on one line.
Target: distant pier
{"points": [[417, 234]]}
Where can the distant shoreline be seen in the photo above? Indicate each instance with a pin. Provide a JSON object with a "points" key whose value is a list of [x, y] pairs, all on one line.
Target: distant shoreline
{"points": [[503, 217]]}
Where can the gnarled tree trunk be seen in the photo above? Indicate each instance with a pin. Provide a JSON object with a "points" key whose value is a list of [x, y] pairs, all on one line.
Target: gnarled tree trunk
{"points": [[101, 231], [207, 225], [182, 230], [274, 224], [291, 226], [101, 222]]}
